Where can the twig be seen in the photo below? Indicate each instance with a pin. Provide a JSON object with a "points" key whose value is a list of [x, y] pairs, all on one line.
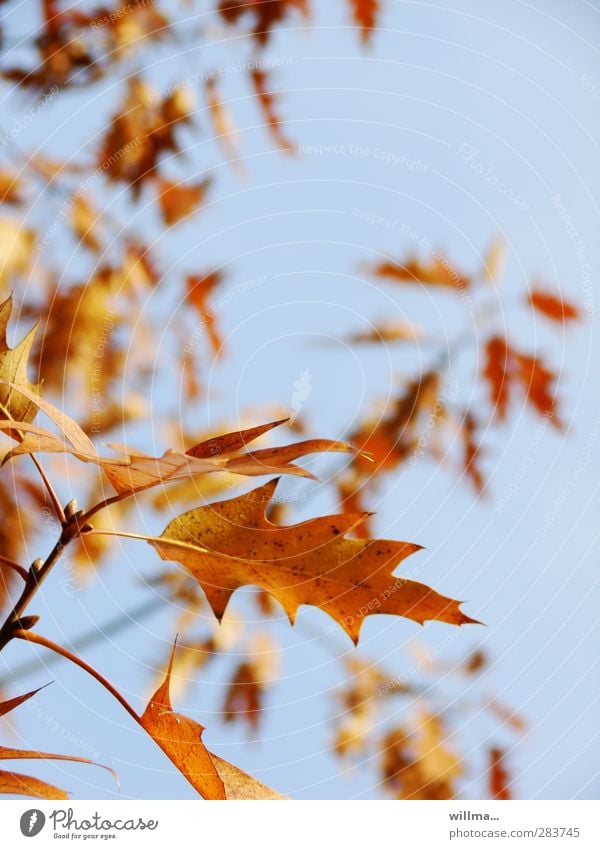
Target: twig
{"points": [[31, 637], [20, 570]]}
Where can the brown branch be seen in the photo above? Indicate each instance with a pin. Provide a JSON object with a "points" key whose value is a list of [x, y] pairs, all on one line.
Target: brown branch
{"points": [[39, 640]]}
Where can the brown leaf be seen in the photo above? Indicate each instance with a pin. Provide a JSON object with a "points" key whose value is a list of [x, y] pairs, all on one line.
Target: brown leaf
{"points": [[243, 697], [364, 13], [26, 785], [498, 776], [386, 331], [433, 271], [8, 754], [496, 373], [536, 380], [180, 200], [267, 103], [180, 739], [199, 289], [471, 452], [265, 13], [553, 306], [11, 704], [85, 222], [10, 188], [224, 127], [230, 544], [16, 249], [13, 370]]}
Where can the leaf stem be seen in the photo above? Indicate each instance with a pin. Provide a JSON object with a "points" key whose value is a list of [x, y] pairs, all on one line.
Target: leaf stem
{"points": [[60, 513]]}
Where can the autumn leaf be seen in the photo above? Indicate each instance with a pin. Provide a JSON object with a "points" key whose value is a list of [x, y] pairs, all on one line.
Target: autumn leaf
{"points": [[199, 288], [25, 785], [537, 380], [350, 494], [16, 247], [10, 704], [553, 306], [266, 100], [180, 738], [472, 450], [143, 129], [265, 13], [179, 200], [436, 270], [138, 471], [496, 373], [13, 370], [498, 776], [230, 544], [384, 332], [85, 222], [385, 441], [10, 188], [495, 259], [364, 13]]}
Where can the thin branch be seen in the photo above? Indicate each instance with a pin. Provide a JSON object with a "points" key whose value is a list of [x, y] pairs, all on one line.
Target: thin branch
{"points": [[31, 637], [20, 570], [46, 481], [126, 534], [106, 502], [60, 513]]}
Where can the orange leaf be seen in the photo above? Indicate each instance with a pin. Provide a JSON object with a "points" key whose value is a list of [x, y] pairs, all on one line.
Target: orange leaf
{"points": [[434, 271], [471, 452], [499, 777], [267, 102], [178, 201], [553, 306], [231, 544], [138, 471], [180, 739], [365, 13], [497, 361], [536, 380], [11, 704]]}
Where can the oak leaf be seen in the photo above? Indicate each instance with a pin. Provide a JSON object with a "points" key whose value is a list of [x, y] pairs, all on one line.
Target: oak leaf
{"points": [[230, 544], [499, 777], [180, 738], [495, 372], [552, 306], [13, 370], [179, 200], [436, 270], [137, 471], [25, 785]]}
